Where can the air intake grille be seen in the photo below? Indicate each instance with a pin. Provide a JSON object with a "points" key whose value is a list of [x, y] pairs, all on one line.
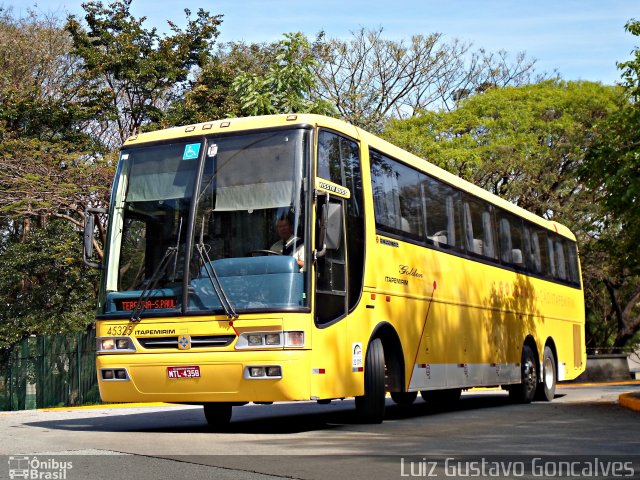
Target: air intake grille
{"points": [[211, 341]]}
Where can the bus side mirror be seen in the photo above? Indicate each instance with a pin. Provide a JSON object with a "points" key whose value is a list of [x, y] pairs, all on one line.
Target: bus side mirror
{"points": [[333, 234], [89, 228], [330, 228]]}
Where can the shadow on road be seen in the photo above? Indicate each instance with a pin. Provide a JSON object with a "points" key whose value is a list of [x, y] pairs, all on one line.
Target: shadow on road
{"points": [[262, 419]]}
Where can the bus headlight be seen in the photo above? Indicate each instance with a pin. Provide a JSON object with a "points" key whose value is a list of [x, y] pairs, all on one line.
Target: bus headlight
{"points": [[294, 339], [288, 339], [114, 374], [114, 344]]}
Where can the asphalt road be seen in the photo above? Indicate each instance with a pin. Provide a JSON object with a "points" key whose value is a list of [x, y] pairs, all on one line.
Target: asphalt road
{"points": [[309, 441]]}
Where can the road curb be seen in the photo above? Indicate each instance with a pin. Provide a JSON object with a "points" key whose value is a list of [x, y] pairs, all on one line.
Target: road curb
{"points": [[109, 405], [630, 401]]}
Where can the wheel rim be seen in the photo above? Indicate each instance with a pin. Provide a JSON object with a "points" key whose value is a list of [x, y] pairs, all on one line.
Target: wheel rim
{"points": [[529, 374], [549, 375]]}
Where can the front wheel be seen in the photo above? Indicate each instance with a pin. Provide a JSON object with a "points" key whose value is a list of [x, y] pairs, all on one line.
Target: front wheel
{"points": [[218, 415], [525, 391], [370, 406]]}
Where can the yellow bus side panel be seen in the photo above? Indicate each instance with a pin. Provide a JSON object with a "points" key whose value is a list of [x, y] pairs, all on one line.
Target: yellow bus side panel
{"points": [[449, 310]]}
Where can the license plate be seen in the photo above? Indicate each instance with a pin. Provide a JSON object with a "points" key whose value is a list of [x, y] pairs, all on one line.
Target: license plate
{"points": [[183, 372]]}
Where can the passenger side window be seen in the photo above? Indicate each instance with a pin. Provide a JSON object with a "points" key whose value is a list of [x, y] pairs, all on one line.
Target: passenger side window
{"points": [[536, 255], [397, 197], [561, 261], [511, 239], [572, 260], [414, 205], [478, 229], [443, 218]]}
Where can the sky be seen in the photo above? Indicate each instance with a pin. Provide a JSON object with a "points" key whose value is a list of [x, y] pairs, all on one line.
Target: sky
{"points": [[580, 39]]}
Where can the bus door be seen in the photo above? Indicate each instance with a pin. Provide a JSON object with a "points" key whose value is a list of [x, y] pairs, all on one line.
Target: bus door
{"points": [[339, 269]]}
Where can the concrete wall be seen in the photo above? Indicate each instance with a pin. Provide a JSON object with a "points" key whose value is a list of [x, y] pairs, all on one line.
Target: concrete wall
{"points": [[634, 364], [606, 368]]}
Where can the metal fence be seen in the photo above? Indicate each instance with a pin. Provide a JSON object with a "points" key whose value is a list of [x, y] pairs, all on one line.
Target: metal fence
{"points": [[49, 371]]}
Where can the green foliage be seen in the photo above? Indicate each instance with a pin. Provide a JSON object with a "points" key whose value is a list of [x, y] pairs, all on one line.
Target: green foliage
{"points": [[286, 85], [44, 288], [37, 82], [612, 168], [613, 163], [522, 143], [50, 170], [210, 97], [48, 163], [48, 179], [131, 71], [631, 68]]}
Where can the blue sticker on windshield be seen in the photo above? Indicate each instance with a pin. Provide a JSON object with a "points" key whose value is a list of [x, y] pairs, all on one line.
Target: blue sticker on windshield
{"points": [[191, 151]]}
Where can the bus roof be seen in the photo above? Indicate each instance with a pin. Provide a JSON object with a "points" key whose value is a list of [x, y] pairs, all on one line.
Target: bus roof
{"points": [[271, 121]]}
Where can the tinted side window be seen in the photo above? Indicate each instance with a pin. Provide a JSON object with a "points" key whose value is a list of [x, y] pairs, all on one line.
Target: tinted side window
{"points": [[397, 197], [511, 239], [538, 252], [572, 261], [561, 259], [443, 214], [478, 229]]}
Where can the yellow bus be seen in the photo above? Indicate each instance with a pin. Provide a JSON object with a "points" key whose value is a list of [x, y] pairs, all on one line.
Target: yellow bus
{"points": [[297, 257]]}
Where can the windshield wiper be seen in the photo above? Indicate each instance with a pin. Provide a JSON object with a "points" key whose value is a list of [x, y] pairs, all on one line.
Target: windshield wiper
{"points": [[213, 277], [152, 283]]}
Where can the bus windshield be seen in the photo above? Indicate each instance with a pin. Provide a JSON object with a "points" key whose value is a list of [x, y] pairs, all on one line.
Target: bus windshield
{"points": [[249, 224], [236, 243]]}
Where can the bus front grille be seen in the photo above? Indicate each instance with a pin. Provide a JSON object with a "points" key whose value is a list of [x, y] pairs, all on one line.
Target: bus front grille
{"points": [[209, 341]]}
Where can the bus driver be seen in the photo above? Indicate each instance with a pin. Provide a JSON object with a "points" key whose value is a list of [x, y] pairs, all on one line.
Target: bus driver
{"points": [[288, 244]]}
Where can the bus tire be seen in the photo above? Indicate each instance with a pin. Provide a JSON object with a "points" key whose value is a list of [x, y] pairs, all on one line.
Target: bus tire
{"points": [[547, 387], [525, 391], [404, 398], [218, 414], [370, 407]]}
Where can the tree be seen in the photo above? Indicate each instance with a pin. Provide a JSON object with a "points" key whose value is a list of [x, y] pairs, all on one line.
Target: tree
{"points": [[133, 72], [370, 79], [49, 167], [39, 81], [44, 288], [528, 145], [287, 84], [49, 171], [613, 170], [522, 143]]}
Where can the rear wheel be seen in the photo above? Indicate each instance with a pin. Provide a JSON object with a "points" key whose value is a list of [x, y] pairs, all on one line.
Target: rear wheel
{"points": [[525, 391], [547, 388], [370, 406], [404, 398], [218, 415]]}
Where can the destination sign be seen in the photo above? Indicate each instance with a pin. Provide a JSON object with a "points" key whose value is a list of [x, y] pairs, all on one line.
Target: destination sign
{"points": [[154, 303]]}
